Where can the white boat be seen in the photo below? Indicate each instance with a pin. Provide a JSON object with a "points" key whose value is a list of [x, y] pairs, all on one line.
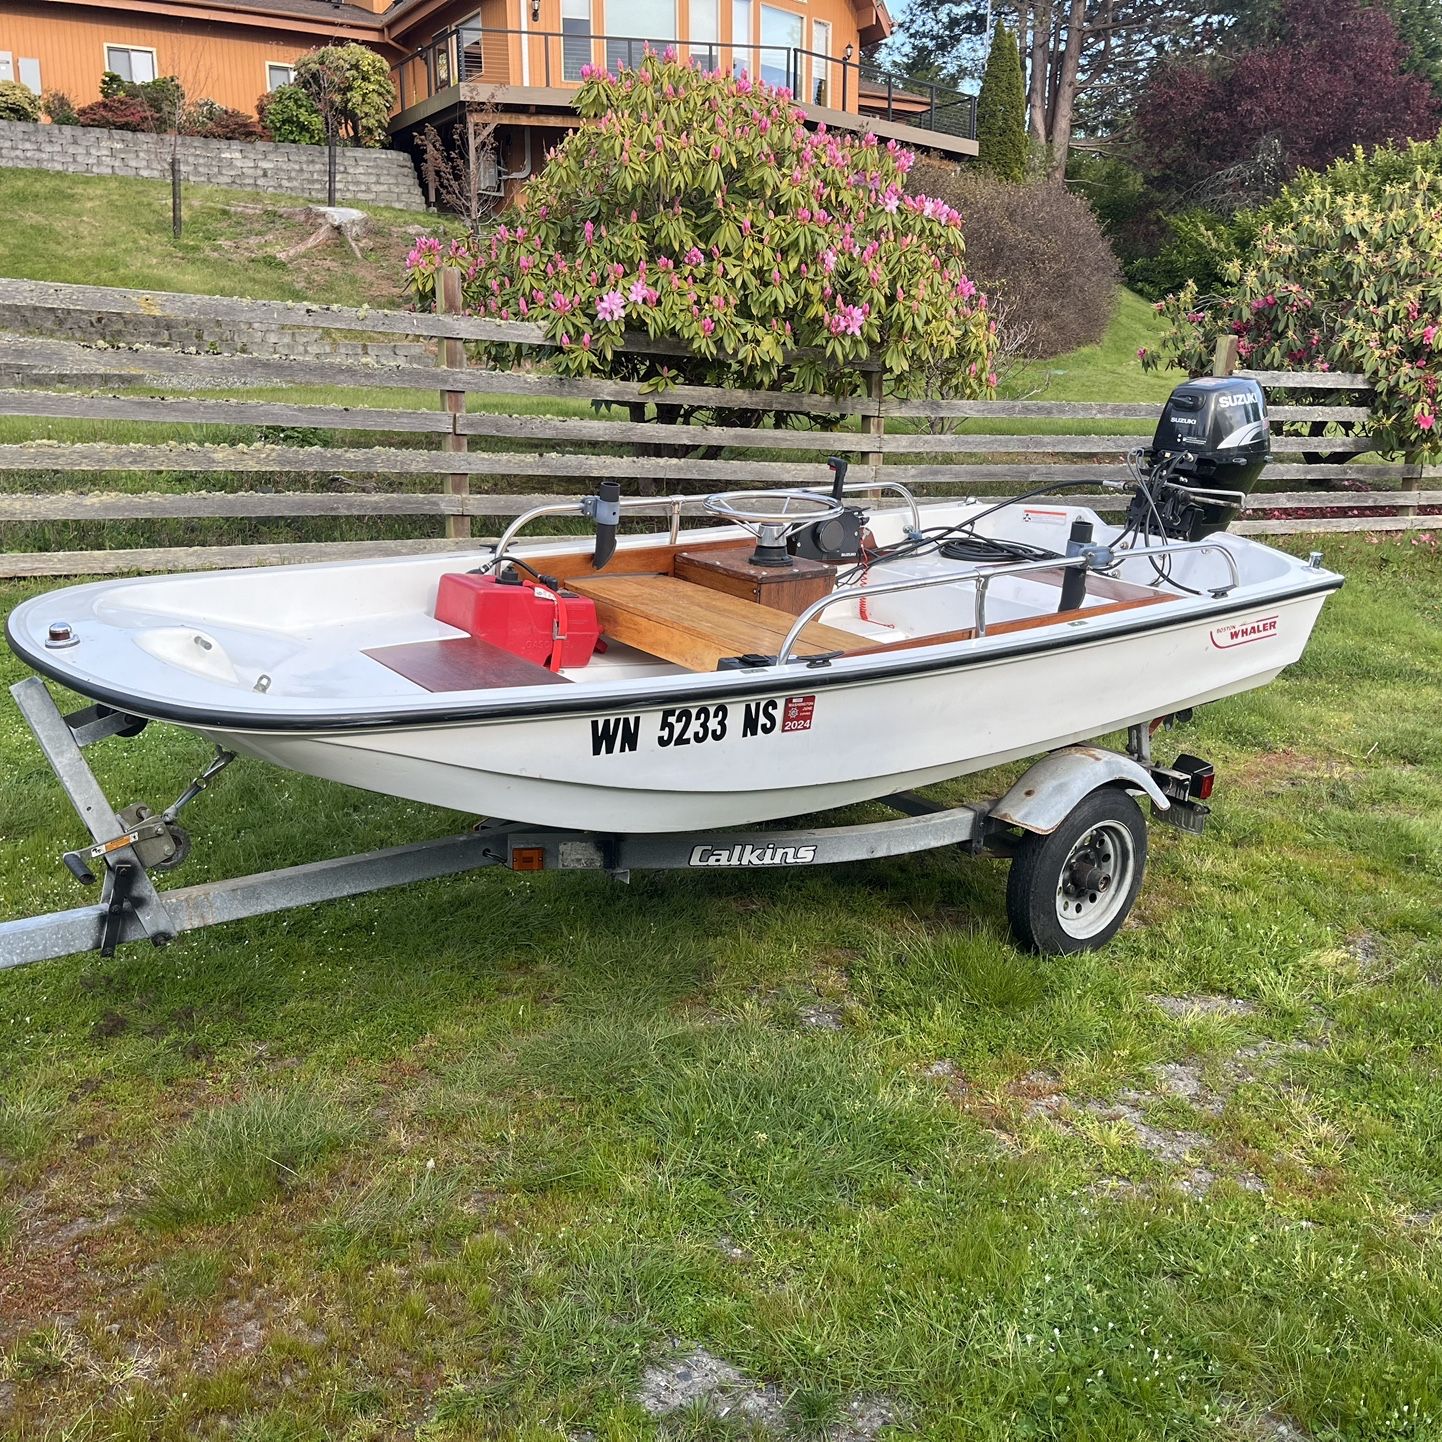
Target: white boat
{"points": [[706, 709]]}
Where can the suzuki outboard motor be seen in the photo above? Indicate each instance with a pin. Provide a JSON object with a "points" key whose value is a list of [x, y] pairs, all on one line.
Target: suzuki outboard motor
{"points": [[1209, 448]]}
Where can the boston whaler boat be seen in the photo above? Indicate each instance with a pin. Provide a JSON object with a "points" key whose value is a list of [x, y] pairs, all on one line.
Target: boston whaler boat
{"points": [[634, 693]]}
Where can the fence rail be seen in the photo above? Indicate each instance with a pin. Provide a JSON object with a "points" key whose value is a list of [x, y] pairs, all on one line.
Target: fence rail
{"points": [[511, 454]]}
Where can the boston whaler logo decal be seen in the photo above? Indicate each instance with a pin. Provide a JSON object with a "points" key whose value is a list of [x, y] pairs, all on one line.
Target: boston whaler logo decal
{"points": [[1241, 632], [744, 855]]}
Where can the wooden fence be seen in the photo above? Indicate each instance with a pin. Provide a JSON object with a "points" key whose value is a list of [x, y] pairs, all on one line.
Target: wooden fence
{"points": [[521, 453]]}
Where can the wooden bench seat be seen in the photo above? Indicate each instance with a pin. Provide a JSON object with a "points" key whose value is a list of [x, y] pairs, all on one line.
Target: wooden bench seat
{"points": [[694, 626]]}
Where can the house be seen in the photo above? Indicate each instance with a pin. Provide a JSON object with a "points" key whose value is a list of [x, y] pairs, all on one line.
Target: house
{"points": [[517, 61], [230, 51], [520, 62]]}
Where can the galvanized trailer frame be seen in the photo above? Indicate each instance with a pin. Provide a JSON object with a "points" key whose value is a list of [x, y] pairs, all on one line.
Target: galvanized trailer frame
{"points": [[129, 845]]}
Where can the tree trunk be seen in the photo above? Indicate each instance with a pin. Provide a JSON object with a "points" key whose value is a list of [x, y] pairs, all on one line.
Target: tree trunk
{"points": [[1036, 94], [1066, 83]]}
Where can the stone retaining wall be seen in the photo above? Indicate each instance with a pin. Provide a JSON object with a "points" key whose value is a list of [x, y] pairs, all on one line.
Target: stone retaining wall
{"points": [[365, 177]]}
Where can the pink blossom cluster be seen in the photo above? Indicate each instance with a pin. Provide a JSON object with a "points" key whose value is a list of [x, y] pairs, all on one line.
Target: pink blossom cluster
{"points": [[699, 206]]}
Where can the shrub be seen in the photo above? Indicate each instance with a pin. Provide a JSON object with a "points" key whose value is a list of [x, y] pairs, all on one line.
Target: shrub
{"points": [[60, 109], [1037, 249], [17, 102], [163, 99], [1001, 110], [215, 121], [1338, 278], [698, 207], [351, 84], [117, 113], [289, 114], [1333, 77]]}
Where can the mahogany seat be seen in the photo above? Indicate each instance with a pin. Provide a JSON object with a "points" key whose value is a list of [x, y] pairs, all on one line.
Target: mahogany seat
{"points": [[695, 626]]}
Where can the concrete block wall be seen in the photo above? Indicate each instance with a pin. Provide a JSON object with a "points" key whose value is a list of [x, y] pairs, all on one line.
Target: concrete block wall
{"points": [[363, 177], [205, 336]]}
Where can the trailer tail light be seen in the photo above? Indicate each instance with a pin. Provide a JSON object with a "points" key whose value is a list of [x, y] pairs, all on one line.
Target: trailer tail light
{"points": [[1201, 775], [528, 858]]}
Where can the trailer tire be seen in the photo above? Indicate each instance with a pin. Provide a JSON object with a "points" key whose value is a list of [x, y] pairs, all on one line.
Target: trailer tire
{"points": [[1072, 889]]}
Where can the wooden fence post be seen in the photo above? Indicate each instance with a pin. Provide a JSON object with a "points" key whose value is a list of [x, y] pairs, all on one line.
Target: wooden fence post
{"points": [[1224, 358], [452, 354], [1411, 481], [875, 425]]}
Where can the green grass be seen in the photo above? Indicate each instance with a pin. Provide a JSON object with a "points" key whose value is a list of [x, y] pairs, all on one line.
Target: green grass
{"points": [[228, 1159], [114, 230], [1107, 371], [462, 1161]]}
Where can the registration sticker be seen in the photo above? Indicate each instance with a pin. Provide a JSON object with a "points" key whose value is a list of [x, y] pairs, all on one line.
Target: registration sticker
{"points": [[797, 713]]}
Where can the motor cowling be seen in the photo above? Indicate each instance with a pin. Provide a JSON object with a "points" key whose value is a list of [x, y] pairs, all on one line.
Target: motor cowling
{"points": [[1212, 437]]}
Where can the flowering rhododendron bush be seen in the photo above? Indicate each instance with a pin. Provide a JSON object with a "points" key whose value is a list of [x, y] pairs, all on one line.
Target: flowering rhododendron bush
{"points": [[697, 207], [1345, 274]]}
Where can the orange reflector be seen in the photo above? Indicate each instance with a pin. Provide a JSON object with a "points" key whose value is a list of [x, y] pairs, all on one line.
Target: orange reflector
{"points": [[528, 858]]}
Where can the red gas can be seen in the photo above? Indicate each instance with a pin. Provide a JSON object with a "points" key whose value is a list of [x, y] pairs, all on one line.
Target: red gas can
{"points": [[553, 628]]}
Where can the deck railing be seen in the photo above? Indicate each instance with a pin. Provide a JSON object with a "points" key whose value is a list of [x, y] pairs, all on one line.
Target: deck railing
{"points": [[552, 59], [489, 450]]}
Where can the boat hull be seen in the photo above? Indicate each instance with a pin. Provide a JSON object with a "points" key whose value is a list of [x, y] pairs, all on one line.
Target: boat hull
{"points": [[754, 747]]}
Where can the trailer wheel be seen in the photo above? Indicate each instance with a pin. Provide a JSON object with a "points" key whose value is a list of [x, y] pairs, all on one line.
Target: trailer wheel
{"points": [[1071, 890]]}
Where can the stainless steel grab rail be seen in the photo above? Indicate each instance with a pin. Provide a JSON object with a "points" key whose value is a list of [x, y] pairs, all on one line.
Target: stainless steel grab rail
{"points": [[1201, 548], [983, 579], [853, 488], [576, 507]]}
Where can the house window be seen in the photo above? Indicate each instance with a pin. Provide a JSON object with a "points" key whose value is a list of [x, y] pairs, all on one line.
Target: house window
{"points": [[742, 58], [7, 65], [278, 75], [821, 62], [631, 25], [468, 43], [781, 40], [575, 37], [130, 62], [705, 33]]}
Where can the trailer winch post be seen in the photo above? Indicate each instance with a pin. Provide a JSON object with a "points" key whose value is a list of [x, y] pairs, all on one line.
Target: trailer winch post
{"points": [[127, 888]]}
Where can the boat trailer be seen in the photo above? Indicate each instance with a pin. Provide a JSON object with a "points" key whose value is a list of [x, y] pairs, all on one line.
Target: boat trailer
{"points": [[1070, 826]]}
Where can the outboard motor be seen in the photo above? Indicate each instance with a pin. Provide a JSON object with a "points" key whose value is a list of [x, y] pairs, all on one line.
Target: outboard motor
{"points": [[1209, 448]]}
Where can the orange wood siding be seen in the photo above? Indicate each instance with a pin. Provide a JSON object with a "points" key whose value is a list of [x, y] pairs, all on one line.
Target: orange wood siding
{"points": [[225, 62], [541, 64]]}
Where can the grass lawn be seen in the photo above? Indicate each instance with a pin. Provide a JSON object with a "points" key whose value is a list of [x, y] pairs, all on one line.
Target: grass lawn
{"points": [[115, 230], [494, 1156], [1107, 371]]}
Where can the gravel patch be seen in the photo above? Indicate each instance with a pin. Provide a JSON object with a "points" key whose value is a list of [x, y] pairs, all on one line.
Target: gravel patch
{"points": [[701, 1382], [705, 1382], [821, 1016], [1205, 1004]]}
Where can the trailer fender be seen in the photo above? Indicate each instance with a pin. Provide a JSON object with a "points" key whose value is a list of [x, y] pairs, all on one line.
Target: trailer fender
{"points": [[1049, 790]]}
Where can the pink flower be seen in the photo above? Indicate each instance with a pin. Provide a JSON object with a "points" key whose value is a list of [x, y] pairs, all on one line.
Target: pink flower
{"points": [[694, 256], [707, 325], [1429, 334], [640, 293], [611, 306], [1425, 421]]}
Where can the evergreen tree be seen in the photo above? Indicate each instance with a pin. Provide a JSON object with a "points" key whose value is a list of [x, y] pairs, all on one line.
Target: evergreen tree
{"points": [[1000, 110]]}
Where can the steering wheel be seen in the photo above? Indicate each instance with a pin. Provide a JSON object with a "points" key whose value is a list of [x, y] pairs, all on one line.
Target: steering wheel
{"points": [[772, 516]]}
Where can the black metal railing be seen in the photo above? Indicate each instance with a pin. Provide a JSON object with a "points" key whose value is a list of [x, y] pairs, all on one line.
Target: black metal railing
{"points": [[910, 100], [557, 58]]}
